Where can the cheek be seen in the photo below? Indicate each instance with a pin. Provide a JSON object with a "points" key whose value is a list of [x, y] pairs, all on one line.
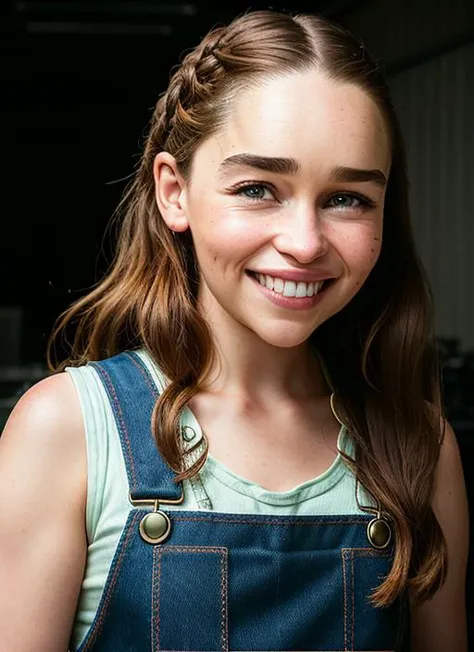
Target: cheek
{"points": [[374, 246], [225, 240], [361, 249]]}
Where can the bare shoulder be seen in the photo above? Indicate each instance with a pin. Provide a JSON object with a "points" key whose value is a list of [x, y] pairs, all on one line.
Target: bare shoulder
{"points": [[449, 473], [42, 448], [43, 482], [47, 424], [450, 501], [54, 398], [440, 624]]}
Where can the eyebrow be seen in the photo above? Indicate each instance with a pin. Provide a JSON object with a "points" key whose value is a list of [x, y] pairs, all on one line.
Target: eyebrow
{"points": [[279, 165], [356, 174], [266, 163]]}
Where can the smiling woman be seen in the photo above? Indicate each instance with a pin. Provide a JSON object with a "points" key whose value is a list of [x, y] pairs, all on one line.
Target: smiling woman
{"points": [[292, 227], [249, 435]]}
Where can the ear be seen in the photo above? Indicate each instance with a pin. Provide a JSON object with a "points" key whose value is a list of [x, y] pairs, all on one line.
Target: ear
{"points": [[170, 192]]}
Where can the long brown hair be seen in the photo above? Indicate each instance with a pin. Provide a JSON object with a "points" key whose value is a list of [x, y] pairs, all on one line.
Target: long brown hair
{"points": [[379, 350]]}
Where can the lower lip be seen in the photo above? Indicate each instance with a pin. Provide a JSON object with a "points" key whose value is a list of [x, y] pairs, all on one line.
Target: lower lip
{"points": [[291, 303]]}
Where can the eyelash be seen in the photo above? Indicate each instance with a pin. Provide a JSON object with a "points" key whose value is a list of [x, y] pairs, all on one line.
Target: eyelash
{"points": [[365, 202], [240, 188]]}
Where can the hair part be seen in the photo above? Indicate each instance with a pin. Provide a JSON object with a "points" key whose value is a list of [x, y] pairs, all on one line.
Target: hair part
{"points": [[379, 350]]}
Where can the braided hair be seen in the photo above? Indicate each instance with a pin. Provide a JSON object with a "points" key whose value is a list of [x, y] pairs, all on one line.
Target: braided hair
{"points": [[378, 350]]}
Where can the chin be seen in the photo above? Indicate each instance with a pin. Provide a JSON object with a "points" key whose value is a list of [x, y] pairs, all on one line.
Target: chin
{"points": [[284, 337]]}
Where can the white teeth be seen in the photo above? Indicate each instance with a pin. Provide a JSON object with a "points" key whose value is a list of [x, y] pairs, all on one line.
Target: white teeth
{"points": [[278, 285], [269, 282], [289, 288], [301, 289]]}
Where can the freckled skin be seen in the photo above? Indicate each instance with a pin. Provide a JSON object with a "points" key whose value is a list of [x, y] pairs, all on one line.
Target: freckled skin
{"points": [[337, 124]]}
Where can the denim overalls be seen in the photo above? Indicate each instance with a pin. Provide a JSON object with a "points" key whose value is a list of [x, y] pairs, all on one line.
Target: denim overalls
{"points": [[195, 581]]}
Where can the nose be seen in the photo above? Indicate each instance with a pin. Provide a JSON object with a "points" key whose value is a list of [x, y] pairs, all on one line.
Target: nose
{"points": [[303, 236]]}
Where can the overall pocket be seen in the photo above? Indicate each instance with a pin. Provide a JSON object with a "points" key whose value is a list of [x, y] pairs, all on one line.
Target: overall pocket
{"points": [[367, 627], [189, 580]]}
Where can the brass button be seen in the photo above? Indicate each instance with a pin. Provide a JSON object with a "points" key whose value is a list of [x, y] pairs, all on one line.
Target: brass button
{"points": [[155, 527], [379, 533]]}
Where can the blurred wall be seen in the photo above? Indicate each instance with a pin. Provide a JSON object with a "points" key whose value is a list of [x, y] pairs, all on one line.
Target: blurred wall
{"points": [[427, 49], [436, 106]]}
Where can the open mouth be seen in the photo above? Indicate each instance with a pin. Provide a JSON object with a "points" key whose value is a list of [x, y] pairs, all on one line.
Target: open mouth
{"points": [[291, 289]]}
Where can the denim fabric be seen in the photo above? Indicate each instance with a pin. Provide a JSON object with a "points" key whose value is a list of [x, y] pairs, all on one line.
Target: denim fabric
{"points": [[231, 581]]}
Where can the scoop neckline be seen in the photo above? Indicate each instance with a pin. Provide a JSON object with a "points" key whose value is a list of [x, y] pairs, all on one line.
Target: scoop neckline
{"points": [[298, 494], [223, 474]]}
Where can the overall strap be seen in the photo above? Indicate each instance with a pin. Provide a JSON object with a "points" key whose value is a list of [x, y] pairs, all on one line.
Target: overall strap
{"points": [[132, 393]]}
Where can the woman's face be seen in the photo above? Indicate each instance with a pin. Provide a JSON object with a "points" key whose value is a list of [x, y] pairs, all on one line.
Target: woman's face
{"points": [[289, 193]]}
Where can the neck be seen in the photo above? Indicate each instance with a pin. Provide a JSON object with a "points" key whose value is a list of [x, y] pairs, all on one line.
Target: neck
{"points": [[247, 366]]}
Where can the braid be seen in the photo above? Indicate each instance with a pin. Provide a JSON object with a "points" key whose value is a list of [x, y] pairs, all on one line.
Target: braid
{"points": [[202, 68], [193, 82]]}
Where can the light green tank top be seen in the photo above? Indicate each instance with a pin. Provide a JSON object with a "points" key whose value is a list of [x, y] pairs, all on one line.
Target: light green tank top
{"points": [[215, 488]]}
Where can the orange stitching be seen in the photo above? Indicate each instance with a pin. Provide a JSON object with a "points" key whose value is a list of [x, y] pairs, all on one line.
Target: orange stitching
{"points": [[218, 549], [152, 619], [344, 597], [223, 554], [222, 601], [155, 600], [158, 582], [353, 598], [111, 586], [119, 413], [145, 373], [196, 519], [224, 583], [361, 552], [369, 552]]}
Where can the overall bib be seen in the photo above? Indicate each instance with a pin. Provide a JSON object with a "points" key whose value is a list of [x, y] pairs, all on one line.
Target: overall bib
{"points": [[202, 581]]}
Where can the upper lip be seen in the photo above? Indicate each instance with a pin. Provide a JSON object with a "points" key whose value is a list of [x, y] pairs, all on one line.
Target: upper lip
{"points": [[304, 275]]}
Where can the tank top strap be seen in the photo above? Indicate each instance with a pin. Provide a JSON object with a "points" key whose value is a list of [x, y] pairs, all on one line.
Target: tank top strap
{"points": [[132, 393]]}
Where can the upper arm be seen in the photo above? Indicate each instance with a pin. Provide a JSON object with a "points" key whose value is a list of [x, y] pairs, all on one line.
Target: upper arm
{"points": [[43, 481], [439, 625]]}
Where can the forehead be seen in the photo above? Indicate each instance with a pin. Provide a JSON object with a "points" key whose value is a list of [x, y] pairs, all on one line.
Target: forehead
{"points": [[322, 123]]}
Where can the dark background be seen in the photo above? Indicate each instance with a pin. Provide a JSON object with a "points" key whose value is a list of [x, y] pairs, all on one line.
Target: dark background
{"points": [[79, 81]]}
